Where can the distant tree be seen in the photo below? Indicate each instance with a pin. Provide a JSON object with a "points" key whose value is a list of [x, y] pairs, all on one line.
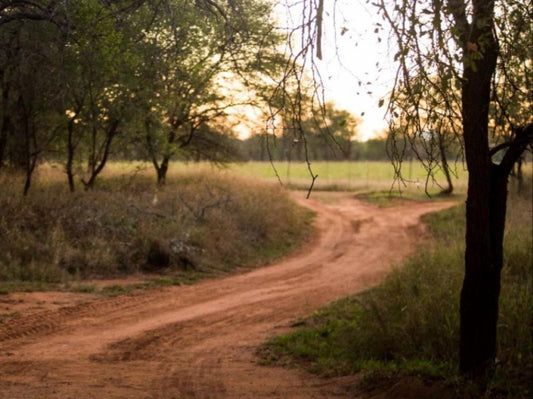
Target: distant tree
{"points": [[328, 137], [371, 150]]}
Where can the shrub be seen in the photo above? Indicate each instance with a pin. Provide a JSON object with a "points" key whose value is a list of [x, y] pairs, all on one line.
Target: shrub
{"points": [[206, 222]]}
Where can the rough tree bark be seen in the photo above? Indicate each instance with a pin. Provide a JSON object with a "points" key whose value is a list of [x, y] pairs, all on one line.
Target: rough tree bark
{"points": [[445, 167], [487, 190], [71, 145], [486, 201], [481, 286], [4, 127]]}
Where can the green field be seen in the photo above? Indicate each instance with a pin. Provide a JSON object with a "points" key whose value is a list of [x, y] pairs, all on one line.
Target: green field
{"points": [[364, 176], [353, 176]]}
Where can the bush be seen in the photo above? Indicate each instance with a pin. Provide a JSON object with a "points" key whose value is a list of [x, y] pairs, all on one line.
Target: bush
{"points": [[208, 223]]}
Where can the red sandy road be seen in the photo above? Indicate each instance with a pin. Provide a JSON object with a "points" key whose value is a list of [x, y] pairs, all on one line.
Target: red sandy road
{"points": [[199, 341]]}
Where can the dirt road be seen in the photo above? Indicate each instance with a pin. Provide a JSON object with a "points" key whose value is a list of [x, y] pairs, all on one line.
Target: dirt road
{"points": [[199, 341]]}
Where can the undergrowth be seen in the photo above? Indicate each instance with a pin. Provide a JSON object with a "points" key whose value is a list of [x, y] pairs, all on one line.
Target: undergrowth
{"points": [[409, 324], [199, 224]]}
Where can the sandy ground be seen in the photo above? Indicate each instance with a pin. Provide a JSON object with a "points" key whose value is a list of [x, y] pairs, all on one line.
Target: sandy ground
{"points": [[200, 341]]}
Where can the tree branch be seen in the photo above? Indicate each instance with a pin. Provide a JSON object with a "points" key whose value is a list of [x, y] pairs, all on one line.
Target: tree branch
{"points": [[515, 147]]}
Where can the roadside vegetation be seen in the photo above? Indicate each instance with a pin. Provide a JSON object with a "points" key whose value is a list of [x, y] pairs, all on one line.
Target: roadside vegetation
{"points": [[200, 224], [409, 324], [206, 221]]}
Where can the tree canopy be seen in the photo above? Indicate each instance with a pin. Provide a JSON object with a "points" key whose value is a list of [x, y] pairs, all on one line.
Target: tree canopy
{"points": [[80, 78]]}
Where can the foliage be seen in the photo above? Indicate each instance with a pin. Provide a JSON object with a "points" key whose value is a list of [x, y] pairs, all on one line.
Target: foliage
{"points": [[201, 224], [79, 79], [410, 322], [431, 56]]}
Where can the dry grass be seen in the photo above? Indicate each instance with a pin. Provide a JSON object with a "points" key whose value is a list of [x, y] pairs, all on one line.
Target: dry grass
{"points": [[200, 224]]}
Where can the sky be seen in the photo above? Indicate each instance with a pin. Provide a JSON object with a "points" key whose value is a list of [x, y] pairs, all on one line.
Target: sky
{"points": [[356, 67]]}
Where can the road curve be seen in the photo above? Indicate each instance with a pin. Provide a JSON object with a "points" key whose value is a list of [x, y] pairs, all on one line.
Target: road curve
{"points": [[199, 341]]}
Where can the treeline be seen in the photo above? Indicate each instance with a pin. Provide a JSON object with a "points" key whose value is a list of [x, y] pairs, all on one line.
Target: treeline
{"points": [[321, 148], [85, 81]]}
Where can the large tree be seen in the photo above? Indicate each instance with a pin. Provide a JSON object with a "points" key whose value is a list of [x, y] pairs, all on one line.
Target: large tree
{"points": [[466, 64], [195, 54], [29, 100], [458, 50]]}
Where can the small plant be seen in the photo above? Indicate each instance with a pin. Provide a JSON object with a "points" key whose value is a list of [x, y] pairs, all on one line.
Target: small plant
{"points": [[84, 288]]}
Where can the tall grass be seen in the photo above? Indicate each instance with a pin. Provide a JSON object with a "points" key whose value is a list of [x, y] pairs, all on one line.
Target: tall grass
{"points": [[199, 224], [410, 322]]}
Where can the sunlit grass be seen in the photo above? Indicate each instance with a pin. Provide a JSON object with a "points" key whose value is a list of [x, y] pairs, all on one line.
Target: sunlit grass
{"points": [[353, 176]]}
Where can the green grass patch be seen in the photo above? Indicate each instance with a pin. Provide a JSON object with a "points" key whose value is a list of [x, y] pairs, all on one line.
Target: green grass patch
{"points": [[202, 224], [409, 324], [84, 288], [357, 176], [390, 198], [361, 176]]}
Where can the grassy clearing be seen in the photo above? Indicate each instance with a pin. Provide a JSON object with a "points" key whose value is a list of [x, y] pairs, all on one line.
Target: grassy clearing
{"points": [[409, 324], [361, 176], [126, 226], [201, 224], [351, 176]]}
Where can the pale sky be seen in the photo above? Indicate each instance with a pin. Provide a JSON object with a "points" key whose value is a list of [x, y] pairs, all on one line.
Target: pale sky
{"points": [[356, 68], [355, 56]]}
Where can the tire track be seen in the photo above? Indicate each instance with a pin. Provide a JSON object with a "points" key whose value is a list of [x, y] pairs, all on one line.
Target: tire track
{"points": [[199, 341]]}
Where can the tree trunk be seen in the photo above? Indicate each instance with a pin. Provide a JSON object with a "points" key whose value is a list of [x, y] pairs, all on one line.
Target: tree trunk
{"points": [[484, 209], [160, 168], [445, 167], [98, 166], [3, 141], [483, 265], [4, 129], [70, 156], [162, 171], [30, 146]]}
